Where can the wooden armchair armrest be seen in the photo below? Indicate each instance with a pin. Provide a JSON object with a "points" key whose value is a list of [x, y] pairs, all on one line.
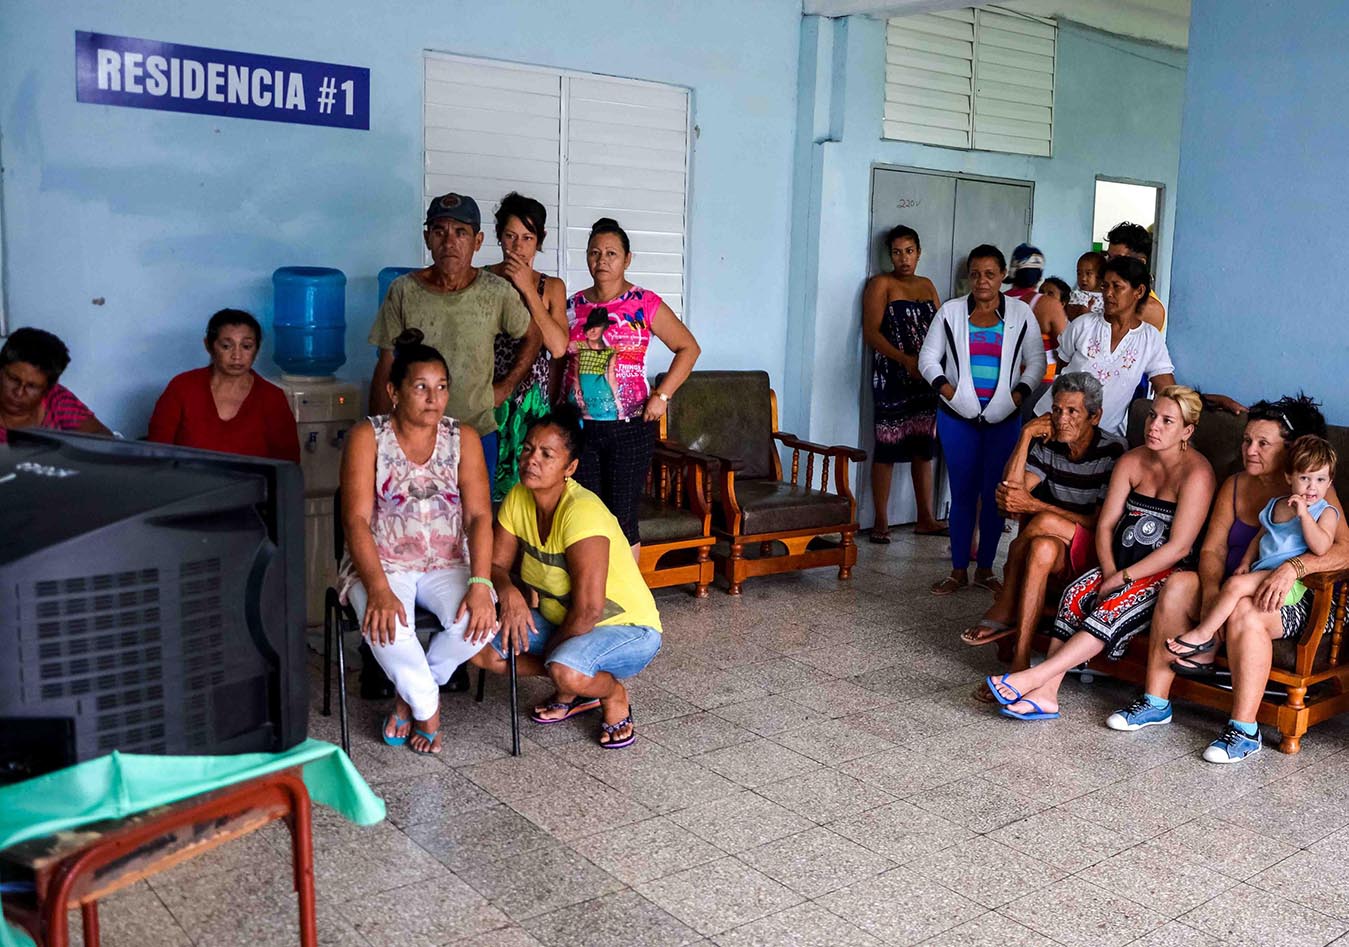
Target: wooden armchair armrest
{"points": [[1327, 615], [1321, 581], [836, 450], [839, 453], [690, 485], [707, 460], [709, 469]]}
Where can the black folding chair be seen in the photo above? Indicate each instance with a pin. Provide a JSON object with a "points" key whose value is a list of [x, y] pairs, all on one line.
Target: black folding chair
{"points": [[338, 619]]}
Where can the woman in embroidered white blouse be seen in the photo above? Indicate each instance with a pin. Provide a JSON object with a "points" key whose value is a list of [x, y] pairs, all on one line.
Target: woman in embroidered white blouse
{"points": [[1119, 349]]}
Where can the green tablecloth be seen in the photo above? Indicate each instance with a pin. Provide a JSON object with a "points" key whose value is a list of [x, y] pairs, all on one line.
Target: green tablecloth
{"points": [[119, 785]]}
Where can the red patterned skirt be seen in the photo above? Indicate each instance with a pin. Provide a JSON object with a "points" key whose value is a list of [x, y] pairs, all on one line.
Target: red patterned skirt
{"points": [[1117, 618]]}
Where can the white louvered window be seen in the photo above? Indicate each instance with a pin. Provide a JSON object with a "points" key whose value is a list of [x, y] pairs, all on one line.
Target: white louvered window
{"points": [[586, 146], [980, 79]]}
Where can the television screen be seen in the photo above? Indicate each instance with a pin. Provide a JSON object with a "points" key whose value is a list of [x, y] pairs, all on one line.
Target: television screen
{"points": [[151, 601]]}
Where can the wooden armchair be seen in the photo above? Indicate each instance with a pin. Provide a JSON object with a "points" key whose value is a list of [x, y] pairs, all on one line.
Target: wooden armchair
{"points": [[675, 519], [731, 417]]}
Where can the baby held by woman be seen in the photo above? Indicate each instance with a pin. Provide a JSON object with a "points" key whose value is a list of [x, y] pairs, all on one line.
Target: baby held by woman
{"points": [[1290, 526]]}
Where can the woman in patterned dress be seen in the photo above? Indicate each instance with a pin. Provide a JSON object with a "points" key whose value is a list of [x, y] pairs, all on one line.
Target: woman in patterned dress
{"points": [[417, 514], [522, 378], [1156, 505], [897, 308]]}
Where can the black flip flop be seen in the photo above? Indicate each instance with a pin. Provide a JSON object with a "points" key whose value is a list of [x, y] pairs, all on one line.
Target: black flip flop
{"points": [[1193, 669], [1191, 649]]}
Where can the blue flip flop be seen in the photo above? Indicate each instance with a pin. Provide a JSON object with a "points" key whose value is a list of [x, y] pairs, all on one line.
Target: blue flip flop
{"points": [[429, 737], [397, 722], [997, 695], [1037, 714]]}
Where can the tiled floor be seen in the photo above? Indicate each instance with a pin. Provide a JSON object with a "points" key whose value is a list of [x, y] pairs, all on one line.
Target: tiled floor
{"points": [[810, 770]]}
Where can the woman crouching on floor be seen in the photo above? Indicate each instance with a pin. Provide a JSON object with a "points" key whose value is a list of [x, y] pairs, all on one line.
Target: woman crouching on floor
{"points": [[596, 623], [1154, 509]]}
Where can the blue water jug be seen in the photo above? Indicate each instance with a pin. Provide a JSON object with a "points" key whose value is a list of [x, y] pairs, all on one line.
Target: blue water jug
{"points": [[309, 316], [387, 276]]}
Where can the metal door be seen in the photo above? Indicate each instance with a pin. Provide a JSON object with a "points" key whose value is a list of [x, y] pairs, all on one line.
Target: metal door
{"points": [[925, 202], [987, 212], [952, 215]]}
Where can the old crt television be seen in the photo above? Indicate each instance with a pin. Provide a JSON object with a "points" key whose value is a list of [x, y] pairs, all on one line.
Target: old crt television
{"points": [[151, 601]]}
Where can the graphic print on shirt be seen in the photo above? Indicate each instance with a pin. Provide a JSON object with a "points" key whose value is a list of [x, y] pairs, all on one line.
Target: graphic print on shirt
{"points": [[595, 389], [606, 373]]}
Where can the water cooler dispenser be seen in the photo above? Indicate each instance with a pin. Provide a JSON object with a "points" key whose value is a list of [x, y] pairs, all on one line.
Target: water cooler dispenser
{"points": [[309, 323], [387, 276]]}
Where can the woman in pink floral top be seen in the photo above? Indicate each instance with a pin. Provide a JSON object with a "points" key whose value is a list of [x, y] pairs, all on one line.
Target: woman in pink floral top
{"points": [[417, 514], [610, 327]]}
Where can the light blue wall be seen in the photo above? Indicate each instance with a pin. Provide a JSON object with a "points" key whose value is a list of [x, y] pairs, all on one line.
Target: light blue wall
{"points": [[1262, 212], [168, 217], [1117, 113]]}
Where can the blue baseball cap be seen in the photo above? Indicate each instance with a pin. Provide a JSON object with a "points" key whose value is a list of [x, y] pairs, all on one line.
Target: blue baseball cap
{"points": [[458, 207]]}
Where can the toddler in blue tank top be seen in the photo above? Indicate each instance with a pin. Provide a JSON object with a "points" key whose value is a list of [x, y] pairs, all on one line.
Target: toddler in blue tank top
{"points": [[1289, 527]]}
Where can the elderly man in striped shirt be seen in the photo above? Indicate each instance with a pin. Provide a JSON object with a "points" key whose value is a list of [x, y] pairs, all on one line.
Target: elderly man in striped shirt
{"points": [[1055, 482]]}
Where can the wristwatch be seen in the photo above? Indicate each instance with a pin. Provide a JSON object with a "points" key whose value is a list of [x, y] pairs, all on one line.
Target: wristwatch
{"points": [[1125, 574], [663, 396]]}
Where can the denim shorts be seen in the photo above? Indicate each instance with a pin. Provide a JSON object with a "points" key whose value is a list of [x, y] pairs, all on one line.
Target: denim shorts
{"points": [[622, 650]]}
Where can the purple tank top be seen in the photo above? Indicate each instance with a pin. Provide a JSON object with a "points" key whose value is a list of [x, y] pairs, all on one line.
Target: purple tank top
{"points": [[1239, 536]]}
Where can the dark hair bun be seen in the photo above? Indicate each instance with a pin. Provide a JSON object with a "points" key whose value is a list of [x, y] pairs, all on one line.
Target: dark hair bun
{"points": [[566, 417], [408, 338], [604, 225]]}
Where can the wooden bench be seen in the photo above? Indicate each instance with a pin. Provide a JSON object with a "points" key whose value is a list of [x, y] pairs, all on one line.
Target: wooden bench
{"points": [[1309, 679]]}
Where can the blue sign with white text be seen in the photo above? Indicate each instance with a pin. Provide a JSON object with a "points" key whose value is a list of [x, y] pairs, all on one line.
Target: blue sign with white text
{"points": [[145, 74]]}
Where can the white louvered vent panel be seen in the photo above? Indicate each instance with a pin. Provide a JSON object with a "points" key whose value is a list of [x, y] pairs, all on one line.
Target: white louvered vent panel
{"points": [[981, 79], [627, 158], [585, 146], [1014, 84], [493, 128], [929, 77]]}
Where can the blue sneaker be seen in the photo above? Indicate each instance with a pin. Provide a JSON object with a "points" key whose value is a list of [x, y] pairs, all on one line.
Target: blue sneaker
{"points": [[1233, 746], [1138, 715]]}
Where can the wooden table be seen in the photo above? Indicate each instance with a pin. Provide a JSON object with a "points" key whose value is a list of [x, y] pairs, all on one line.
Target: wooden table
{"points": [[76, 868]]}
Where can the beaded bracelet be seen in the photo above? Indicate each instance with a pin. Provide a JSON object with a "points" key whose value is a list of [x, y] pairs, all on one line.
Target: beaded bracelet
{"points": [[479, 580]]}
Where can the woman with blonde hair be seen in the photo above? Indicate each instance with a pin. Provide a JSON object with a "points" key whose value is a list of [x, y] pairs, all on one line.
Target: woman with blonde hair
{"points": [[1154, 510]]}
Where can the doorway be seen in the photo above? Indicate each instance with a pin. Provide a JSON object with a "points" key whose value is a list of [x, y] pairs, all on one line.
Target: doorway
{"points": [[1118, 200], [953, 213]]}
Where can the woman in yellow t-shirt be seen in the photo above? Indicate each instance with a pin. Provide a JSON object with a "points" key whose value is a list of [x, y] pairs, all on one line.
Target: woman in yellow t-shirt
{"points": [[596, 622]]}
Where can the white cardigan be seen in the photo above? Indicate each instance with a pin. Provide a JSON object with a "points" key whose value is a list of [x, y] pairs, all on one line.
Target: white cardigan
{"points": [[945, 357]]}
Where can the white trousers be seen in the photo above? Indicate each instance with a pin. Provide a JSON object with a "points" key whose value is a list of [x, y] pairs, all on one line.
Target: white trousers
{"points": [[416, 673]]}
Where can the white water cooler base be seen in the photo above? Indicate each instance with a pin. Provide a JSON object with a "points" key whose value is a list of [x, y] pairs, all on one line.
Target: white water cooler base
{"points": [[320, 568]]}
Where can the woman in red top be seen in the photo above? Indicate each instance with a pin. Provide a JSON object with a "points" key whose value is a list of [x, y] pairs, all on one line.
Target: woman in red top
{"points": [[227, 406]]}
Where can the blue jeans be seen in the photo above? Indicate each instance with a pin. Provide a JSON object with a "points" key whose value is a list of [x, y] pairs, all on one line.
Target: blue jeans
{"points": [[489, 451], [975, 457], [622, 650]]}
